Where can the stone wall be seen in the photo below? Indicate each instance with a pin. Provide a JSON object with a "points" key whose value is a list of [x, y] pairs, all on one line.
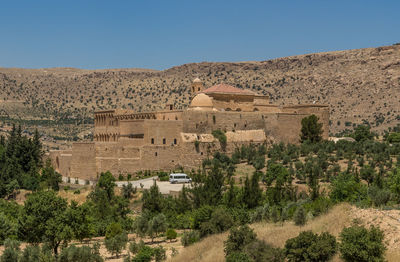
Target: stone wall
{"points": [[83, 164]]}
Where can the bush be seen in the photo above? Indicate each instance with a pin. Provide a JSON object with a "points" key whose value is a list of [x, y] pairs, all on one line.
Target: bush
{"points": [[393, 138], [260, 251], [11, 251], [30, 254], [189, 238], [116, 244], [311, 130], [238, 257], [220, 221], [238, 238], [345, 187], [220, 135], [300, 216], [81, 254], [171, 234], [308, 246], [145, 254], [361, 244]]}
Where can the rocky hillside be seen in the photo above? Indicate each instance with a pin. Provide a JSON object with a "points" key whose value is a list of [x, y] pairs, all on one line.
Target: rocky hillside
{"points": [[361, 86]]}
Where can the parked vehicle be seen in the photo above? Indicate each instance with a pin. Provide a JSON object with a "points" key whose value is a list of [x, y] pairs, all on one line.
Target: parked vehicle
{"points": [[179, 178]]}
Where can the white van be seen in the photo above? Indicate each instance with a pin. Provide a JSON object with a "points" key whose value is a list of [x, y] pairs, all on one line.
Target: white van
{"points": [[179, 178]]}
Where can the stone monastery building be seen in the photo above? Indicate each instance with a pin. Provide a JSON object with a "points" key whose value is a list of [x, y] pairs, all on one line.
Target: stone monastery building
{"points": [[126, 142]]}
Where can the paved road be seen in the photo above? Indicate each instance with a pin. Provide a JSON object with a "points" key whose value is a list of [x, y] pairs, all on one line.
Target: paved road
{"points": [[164, 187]]}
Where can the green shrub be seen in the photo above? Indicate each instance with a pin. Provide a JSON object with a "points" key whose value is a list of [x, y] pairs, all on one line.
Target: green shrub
{"points": [[145, 254], [311, 129], [394, 138], [81, 254], [220, 221], [189, 238], [171, 234], [30, 254], [346, 187], [238, 238], [308, 246], [11, 252], [220, 135], [238, 257], [116, 239], [260, 251], [361, 244], [300, 216]]}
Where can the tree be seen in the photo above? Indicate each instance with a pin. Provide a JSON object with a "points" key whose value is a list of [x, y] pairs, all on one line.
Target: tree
{"points": [[116, 239], [8, 228], [310, 247], [30, 254], [158, 224], [107, 183], [220, 221], [299, 216], [368, 174], [171, 234], [311, 130], [152, 199], [361, 244], [362, 133], [79, 219], [81, 254], [11, 252], [43, 218], [252, 191], [50, 177], [259, 250], [128, 190], [238, 238], [189, 238], [283, 183]]}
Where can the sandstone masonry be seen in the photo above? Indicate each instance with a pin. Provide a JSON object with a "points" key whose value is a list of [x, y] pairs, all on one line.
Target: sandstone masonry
{"points": [[126, 142]]}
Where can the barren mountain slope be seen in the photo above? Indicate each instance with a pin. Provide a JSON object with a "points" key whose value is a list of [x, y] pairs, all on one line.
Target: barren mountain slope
{"points": [[360, 85]]}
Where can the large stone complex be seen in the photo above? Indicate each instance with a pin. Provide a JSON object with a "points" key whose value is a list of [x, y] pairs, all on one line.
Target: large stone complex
{"points": [[126, 142]]}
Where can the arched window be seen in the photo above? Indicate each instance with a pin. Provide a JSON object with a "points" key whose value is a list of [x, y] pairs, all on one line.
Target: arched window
{"points": [[152, 141], [164, 141], [174, 141]]}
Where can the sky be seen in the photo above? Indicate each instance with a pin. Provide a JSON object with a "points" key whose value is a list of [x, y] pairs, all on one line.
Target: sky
{"points": [[160, 34]]}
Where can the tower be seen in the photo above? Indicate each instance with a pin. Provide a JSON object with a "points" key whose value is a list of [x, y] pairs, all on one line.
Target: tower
{"points": [[197, 86]]}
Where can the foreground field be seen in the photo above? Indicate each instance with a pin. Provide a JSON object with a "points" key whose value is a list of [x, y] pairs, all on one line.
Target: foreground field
{"points": [[343, 215]]}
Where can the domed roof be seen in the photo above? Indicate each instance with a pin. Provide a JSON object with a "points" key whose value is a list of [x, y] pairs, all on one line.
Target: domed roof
{"points": [[197, 80], [202, 100]]}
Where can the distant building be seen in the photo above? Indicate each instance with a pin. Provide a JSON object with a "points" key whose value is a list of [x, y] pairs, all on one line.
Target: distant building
{"points": [[126, 141]]}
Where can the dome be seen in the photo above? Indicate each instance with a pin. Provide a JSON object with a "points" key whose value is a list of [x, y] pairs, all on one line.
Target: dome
{"points": [[197, 80], [202, 100]]}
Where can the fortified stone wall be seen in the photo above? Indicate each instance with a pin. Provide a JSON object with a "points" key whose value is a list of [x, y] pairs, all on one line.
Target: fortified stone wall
{"points": [[159, 132], [61, 161], [83, 164]]}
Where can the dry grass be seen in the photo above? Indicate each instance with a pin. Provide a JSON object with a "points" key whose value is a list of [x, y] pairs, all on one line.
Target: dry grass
{"points": [[212, 248], [79, 198]]}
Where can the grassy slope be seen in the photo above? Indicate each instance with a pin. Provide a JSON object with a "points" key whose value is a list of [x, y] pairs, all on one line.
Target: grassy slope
{"points": [[211, 248]]}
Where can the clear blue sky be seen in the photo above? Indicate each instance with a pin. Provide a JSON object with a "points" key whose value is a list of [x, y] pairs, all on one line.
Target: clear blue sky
{"points": [[160, 34]]}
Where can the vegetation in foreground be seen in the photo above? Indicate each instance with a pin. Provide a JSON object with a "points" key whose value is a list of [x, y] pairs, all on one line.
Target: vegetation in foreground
{"points": [[289, 183]]}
